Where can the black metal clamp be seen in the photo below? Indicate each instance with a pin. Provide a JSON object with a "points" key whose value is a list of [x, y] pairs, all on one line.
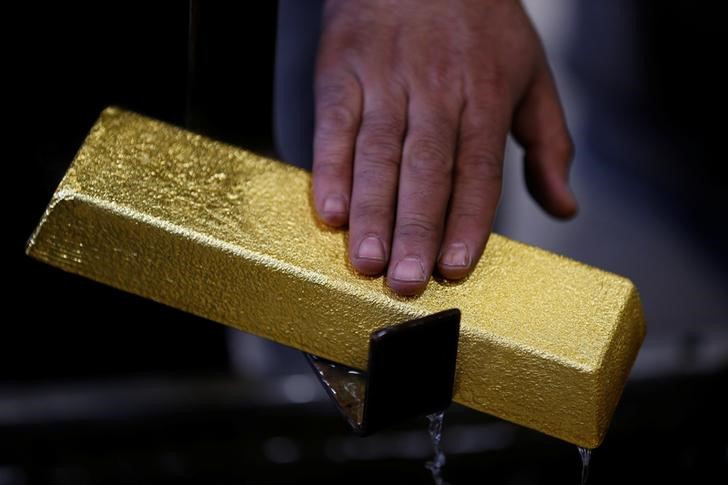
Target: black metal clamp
{"points": [[410, 372]]}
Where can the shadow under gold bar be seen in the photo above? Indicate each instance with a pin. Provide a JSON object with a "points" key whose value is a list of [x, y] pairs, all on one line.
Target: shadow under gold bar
{"points": [[545, 342]]}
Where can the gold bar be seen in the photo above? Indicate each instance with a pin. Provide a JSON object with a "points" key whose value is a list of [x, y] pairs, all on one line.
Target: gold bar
{"points": [[214, 230]]}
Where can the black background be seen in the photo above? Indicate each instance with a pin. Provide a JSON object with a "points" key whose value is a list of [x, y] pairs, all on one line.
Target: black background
{"points": [[63, 65]]}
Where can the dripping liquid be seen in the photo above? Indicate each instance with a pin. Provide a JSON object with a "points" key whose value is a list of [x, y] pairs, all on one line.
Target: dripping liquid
{"points": [[438, 461], [585, 454]]}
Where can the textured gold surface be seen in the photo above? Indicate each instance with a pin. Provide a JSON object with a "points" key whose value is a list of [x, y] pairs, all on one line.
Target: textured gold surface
{"points": [[545, 342]]}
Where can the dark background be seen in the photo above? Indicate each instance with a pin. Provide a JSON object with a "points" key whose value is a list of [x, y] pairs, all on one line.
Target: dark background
{"points": [[98, 386]]}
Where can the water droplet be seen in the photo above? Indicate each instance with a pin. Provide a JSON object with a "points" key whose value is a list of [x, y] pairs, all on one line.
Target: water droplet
{"points": [[438, 461], [585, 454]]}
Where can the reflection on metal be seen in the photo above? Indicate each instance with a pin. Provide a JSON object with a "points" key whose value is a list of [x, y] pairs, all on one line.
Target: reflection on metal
{"points": [[152, 209], [346, 386], [410, 372]]}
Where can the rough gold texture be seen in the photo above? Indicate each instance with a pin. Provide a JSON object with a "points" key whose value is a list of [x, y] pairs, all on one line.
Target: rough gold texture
{"points": [[152, 209]]}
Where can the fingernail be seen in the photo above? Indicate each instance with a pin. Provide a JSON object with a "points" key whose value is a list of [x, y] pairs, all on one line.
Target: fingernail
{"points": [[456, 255], [371, 247], [409, 269], [334, 204]]}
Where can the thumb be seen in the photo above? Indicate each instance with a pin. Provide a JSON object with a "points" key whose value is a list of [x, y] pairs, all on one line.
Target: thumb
{"points": [[540, 127]]}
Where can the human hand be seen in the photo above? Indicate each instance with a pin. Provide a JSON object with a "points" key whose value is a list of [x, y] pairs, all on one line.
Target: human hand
{"points": [[414, 101]]}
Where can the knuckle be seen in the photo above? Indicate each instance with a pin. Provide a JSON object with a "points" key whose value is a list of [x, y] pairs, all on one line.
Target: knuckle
{"points": [[471, 213], [385, 123], [332, 89], [484, 167], [374, 176], [332, 168], [380, 140], [470, 206], [335, 102], [373, 209], [336, 117], [417, 226], [491, 84], [442, 74], [381, 153], [563, 147], [470, 218], [430, 156]]}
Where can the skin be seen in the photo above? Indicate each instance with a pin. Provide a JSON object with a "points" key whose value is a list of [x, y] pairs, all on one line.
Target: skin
{"points": [[414, 101]]}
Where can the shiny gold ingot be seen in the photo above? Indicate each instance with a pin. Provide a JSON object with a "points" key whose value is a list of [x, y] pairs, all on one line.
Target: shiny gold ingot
{"points": [[211, 229]]}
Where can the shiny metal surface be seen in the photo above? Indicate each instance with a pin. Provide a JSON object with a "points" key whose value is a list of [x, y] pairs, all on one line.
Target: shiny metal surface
{"points": [[546, 342]]}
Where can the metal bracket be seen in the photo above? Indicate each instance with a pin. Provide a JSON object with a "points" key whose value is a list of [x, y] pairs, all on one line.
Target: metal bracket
{"points": [[410, 372]]}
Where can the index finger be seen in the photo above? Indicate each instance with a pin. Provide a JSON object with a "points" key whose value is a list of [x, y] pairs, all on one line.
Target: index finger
{"points": [[338, 113]]}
